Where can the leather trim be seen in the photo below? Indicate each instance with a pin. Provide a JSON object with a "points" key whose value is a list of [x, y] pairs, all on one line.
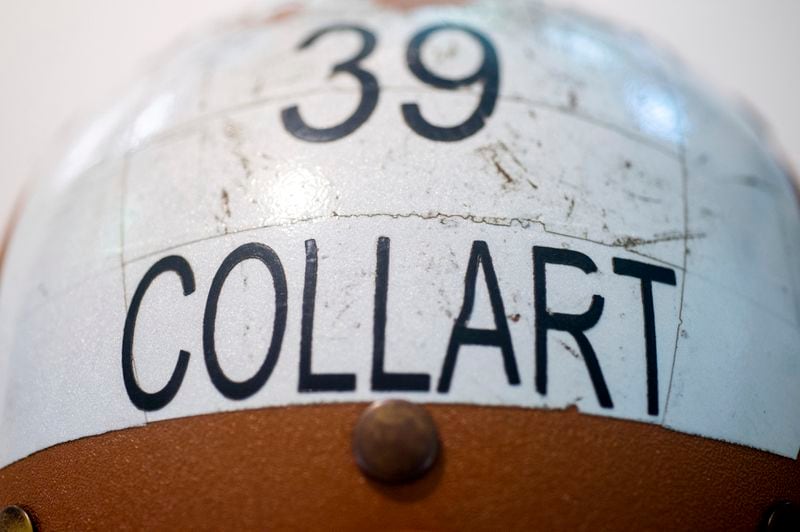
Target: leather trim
{"points": [[501, 468]]}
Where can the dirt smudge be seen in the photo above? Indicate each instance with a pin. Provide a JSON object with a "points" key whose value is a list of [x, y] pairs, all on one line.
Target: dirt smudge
{"points": [[284, 12], [410, 5]]}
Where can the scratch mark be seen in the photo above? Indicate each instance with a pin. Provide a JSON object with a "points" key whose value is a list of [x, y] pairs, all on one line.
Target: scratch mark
{"points": [[685, 196], [234, 133], [571, 207], [226, 203], [342, 311], [572, 102], [570, 349], [494, 153], [629, 242], [754, 182], [502, 172]]}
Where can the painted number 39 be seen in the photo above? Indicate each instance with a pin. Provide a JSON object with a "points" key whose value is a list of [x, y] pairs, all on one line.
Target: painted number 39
{"points": [[488, 74]]}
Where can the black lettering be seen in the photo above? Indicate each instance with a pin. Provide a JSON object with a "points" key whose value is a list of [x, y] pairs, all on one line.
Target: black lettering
{"points": [[316, 382], [140, 398], [575, 324], [229, 388], [648, 274], [463, 335], [488, 74], [292, 120], [383, 381]]}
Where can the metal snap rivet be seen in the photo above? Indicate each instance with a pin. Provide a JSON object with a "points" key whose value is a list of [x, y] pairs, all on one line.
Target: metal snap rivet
{"points": [[395, 441], [782, 516], [15, 519]]}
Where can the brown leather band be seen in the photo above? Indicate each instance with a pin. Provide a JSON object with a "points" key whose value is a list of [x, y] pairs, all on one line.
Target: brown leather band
{"points": [[502, 468]]}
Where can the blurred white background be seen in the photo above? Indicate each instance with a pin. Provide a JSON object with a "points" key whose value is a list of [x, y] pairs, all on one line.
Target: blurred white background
{"points": [[59, 59]]}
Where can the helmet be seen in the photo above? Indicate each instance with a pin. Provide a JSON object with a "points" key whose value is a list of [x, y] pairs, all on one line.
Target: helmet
{"points": [[583, 265]]}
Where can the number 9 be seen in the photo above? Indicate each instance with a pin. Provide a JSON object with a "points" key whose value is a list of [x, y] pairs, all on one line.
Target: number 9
{"points": [[488, 73]]}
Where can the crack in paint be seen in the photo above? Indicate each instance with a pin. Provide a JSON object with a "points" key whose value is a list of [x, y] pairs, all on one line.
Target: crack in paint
{"points": [[436, 216]]}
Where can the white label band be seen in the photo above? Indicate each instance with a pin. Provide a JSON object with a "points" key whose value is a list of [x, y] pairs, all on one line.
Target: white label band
{"points": [[435, 309]]}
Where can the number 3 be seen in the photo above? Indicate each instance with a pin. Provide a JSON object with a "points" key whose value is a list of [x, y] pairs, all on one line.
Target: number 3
{"points": [[294, 123]]}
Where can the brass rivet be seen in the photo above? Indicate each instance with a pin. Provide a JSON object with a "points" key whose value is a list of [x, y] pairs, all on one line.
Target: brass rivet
{"points": [[782, 516], [395, 441], [15, 519]]}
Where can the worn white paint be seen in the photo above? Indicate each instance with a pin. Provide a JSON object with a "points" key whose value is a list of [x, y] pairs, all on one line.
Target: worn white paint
{"points": [[597, 144]]}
